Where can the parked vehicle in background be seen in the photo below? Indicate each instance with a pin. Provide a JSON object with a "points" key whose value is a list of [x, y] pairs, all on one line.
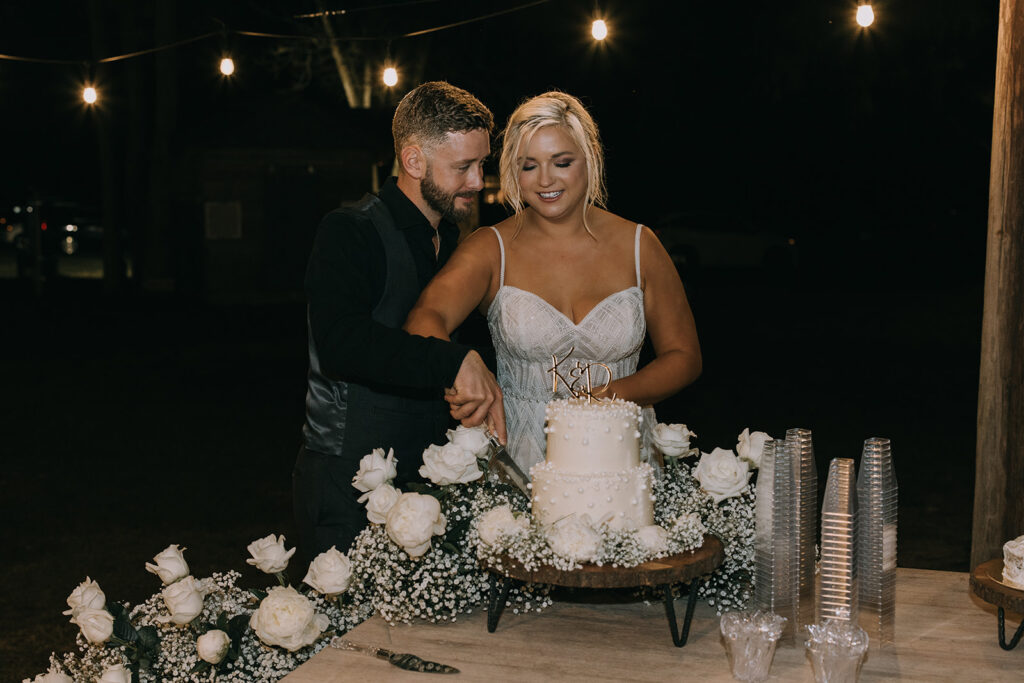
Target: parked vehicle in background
{"points": [[70, 243], [708, 239]]}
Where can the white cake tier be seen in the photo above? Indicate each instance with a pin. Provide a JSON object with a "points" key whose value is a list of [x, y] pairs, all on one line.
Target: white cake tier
{"points": [[595, 436], [1013, 562], [624, 498]]}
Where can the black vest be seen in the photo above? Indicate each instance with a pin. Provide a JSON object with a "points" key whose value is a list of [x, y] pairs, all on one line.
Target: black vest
{"points": [[351, 419]]}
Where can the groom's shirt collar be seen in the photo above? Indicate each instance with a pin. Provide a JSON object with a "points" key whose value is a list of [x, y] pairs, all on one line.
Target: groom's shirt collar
{"points": [[418, 230]]}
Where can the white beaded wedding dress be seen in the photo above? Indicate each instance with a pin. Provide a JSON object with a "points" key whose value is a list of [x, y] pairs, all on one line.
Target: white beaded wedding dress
{"points": [[527, 331]]}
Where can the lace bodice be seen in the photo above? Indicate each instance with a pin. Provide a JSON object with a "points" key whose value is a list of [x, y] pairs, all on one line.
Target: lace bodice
{"points": [[526, 331]]}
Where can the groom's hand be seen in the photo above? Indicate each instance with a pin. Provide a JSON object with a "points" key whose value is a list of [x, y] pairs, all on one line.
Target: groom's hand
{"points": [[476, 397]]}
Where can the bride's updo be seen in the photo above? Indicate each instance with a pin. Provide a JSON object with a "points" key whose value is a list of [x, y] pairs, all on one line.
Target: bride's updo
{"points": [[551, 109]]}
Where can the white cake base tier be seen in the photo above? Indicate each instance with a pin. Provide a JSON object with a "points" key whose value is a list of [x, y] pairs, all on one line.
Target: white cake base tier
{"points": [[624, 499]]}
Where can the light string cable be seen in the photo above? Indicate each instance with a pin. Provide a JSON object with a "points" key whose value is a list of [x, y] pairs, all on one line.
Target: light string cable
{"points": [[283, 36]]}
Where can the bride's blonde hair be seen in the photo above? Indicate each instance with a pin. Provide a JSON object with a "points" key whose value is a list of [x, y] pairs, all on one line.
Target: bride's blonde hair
{"points": [[551, 109]]}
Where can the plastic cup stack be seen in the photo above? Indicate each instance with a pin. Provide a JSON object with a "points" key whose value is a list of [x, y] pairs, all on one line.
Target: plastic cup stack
{"points": [[775, 538], [836, 650], [876, 541], [839, 592], [805, 500], [750, 639]]}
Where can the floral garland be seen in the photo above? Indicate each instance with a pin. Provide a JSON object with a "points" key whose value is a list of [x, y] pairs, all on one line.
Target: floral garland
{"points": [[419, 558]]}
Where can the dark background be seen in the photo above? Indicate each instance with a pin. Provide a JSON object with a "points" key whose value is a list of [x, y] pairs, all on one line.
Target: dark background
{"points": [[165, 407]]}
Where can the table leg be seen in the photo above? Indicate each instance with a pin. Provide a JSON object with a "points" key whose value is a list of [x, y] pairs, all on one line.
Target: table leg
{"points": [[670, 611], [1002, 632], [496, 600]]}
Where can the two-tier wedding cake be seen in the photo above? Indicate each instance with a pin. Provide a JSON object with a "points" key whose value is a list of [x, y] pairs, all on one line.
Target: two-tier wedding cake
{"points": [[593, 465]]}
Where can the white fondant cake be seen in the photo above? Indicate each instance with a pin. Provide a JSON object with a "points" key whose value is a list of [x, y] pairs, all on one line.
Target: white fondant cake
{"points": [[1013, 562], [593, 465]]}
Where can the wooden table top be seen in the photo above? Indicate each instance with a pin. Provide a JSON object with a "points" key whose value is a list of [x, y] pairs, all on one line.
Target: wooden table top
{"points": [[943, 633]]}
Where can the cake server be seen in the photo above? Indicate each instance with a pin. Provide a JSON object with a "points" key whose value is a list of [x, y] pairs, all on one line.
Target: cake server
{"points": [[403, 660]]}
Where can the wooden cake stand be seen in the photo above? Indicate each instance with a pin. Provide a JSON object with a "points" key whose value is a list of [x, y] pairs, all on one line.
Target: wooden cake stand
{"points": [[986, 582], [685, 567]]}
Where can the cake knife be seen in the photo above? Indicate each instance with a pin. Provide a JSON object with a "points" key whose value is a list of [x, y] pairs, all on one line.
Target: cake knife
{"points": [[403, 660], [507, 469]]}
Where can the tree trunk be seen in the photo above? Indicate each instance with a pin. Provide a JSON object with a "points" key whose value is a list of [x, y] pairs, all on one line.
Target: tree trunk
{"points": [[999, 468]]}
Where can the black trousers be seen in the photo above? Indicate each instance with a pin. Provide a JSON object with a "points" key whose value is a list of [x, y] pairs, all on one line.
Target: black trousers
{"points": [[324, 502]]}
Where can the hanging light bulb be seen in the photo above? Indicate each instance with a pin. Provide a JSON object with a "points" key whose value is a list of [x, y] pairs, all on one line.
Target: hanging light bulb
{"points": [[599, 29], [227, 66], [89, 94], [865, 15], [390, 76]]}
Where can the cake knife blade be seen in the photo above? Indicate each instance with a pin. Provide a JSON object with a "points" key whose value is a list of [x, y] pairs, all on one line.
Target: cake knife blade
{"points": [[505, 467], [403, 660]]}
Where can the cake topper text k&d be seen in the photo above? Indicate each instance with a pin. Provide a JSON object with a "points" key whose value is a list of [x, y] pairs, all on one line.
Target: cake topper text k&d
{"points": [[580, 372]]}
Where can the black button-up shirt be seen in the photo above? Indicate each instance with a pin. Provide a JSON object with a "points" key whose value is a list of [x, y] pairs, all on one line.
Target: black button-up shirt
{"points": [[344, 281]]}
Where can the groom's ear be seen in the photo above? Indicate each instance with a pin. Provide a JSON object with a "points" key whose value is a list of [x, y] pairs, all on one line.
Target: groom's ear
{"points": [[414, 161]]}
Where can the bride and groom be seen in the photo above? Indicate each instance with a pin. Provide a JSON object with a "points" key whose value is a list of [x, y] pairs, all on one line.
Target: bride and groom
{"points": [[387, 287]]}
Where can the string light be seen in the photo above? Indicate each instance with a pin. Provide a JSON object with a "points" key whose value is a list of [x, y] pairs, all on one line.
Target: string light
{"points": [[599, 29], [89, 94], [390, 76], [227, 66], [865, 15]]}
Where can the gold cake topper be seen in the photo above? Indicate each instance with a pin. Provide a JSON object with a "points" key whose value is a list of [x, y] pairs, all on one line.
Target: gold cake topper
{"points": [[577, 374]]}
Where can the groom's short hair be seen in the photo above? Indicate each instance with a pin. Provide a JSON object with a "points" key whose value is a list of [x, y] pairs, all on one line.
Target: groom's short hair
{"points": [[430, 111]]}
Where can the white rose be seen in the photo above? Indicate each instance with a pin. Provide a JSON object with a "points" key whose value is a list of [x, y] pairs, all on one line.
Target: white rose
{"points": [[86, 596], [498, 523], [51, 677], [413, 520], [115, 674], [286, 618], [575, 539], [721, 474], [97, 624], [449, 464], [375, 469], [170, 565], [184, 600], [269, 555], [473, 440], [654, 538], [329, 573], [379, 501], [750, 446], [212, 646], [672, 440]]}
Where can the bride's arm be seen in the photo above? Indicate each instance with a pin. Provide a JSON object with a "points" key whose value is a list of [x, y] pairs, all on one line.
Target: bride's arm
{"points": [[465, 282], [670, 324], [462, 285]]}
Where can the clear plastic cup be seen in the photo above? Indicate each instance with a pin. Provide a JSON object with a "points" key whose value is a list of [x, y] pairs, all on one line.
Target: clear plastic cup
{"points": [[836, 650], [750, 639]]}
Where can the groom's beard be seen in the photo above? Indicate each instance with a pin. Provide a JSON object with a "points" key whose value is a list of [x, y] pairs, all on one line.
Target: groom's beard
{"points": [[444, 202]]}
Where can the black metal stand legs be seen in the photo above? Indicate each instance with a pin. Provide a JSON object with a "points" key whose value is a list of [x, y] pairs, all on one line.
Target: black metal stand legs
{"points": [[1002, 632], [497, 595], [670, 611]]}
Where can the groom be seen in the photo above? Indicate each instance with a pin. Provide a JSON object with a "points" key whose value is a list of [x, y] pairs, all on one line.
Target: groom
{"points": [[370, 384]]}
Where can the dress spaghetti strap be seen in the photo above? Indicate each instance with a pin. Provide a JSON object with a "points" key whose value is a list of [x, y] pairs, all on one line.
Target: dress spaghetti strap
{"points": [[636, 250], [501, 247]]}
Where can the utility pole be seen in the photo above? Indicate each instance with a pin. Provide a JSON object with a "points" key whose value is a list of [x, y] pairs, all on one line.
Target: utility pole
{"points": [[999, 466]]}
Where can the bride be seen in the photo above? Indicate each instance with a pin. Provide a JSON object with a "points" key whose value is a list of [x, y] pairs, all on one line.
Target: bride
{"points": [[563, 279]]}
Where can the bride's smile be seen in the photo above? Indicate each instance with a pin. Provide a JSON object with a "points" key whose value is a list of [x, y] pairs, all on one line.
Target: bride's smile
{"points": [[553, 179]]}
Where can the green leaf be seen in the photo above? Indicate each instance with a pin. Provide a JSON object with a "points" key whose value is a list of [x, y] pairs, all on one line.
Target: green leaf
{"points": [[149, 640], [222, 621], [200, 667], [258, 593], [123, 628], [420, 487], [236, 627], [450, 547]]}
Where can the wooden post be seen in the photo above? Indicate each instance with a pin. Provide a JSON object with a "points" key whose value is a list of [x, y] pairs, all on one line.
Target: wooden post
{"points": [[999, 467]]}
